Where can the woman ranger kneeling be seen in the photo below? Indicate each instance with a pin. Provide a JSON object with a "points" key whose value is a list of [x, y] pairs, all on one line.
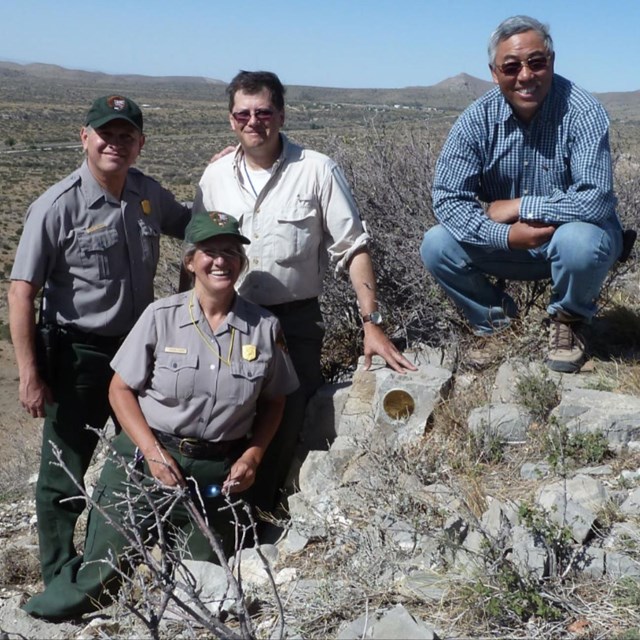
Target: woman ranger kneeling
{"points": [[199, 388]]}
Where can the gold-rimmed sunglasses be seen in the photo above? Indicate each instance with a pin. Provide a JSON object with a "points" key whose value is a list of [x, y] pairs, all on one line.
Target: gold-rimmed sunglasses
{"points": [[535, 64]]}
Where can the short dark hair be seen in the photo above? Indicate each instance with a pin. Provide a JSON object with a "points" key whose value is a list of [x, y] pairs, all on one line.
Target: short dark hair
{"points": [[253, 82]]}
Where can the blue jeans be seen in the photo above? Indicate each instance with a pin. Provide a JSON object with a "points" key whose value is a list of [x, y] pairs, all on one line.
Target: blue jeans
{"points": [[576, 259]]}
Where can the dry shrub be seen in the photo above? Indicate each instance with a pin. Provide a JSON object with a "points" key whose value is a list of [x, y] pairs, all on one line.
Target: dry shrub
{"points": [[19, 565], [22, 461], [390, 169]]}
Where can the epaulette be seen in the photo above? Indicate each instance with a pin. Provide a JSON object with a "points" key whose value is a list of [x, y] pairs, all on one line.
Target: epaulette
{"points": [[62, 186], [136, 174], [56, 191], [175, 300]]}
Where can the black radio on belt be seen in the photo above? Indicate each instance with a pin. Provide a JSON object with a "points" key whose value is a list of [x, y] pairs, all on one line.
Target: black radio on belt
{"points": [[46, 339]]}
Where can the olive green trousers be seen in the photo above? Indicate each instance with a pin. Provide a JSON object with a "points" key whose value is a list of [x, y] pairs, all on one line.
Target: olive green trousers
{"points": [[150, 513], [304, 331], [80, 386]]}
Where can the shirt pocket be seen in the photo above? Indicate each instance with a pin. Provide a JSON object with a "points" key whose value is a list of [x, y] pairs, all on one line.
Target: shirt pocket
{"points": [[174, 375], [96, 252], [557, 178], [247, 380], [297, 233], [150, 240]]}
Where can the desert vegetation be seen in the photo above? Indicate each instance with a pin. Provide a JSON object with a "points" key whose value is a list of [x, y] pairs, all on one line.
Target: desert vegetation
{"points": [[388, 155]]}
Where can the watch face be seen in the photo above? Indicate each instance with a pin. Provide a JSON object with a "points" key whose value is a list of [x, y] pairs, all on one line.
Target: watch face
{"points": [[375, 317]]}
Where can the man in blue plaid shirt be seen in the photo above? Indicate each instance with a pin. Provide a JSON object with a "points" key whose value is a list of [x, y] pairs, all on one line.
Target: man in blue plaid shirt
{"points": [[524, 191]]}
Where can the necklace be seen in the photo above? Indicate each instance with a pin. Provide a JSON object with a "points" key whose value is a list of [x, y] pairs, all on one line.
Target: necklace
{"points": [[205, 339], [246, 173]]}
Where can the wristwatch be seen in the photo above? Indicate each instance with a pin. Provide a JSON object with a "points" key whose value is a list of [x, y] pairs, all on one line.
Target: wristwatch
{"points": [[374, 318]]}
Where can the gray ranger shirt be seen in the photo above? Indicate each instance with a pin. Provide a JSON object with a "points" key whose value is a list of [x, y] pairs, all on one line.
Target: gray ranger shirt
{"points": [[194, 383], [95, 255]]}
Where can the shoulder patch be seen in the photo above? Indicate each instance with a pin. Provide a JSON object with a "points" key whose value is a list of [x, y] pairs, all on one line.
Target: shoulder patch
{"points": [[281, 341]]}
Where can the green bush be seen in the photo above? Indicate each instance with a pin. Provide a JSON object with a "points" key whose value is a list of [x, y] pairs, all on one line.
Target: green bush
{"points": [[538, 393]]}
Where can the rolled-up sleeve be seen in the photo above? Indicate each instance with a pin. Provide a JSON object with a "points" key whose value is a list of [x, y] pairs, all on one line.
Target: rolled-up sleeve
{"points": [[344, 229]]}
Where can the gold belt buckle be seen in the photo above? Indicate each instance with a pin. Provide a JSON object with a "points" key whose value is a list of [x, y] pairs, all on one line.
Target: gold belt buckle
{"points": [[187, 442]]}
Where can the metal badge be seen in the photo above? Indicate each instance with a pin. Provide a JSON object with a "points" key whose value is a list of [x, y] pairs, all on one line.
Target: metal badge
{"points": [[249, 352]]}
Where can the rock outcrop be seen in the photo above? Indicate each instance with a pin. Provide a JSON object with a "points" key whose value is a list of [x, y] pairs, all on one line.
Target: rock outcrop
{"points": [[415, 534]]}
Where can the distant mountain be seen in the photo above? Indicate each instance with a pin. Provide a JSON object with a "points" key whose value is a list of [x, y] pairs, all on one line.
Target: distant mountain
{"points": [[465, 82], [54, 72], [453, 93], [450, 94]]}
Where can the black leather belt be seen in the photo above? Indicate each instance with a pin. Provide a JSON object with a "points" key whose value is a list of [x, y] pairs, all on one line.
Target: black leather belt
{"points": [[198, 449], [92, 339], [288, 307]]}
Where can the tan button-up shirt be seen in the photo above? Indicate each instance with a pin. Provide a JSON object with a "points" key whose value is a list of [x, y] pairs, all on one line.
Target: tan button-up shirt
{"points": [[302, 220]]}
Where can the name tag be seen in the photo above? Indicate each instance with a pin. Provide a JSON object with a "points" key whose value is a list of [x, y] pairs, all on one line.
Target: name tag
{"points": [[96, 227], [175, 350]]}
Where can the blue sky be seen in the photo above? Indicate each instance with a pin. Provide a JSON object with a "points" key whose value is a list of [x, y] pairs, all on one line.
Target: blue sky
{"points": [[339, 43]]}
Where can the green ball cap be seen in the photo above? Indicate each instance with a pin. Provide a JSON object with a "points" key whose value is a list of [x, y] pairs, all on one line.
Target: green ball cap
{"points": [[203, 226], [110, 108]]}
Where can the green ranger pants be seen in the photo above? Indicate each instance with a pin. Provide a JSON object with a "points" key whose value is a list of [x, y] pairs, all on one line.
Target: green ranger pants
{"points": [[80, 387], [303, 329], [85, 584]]}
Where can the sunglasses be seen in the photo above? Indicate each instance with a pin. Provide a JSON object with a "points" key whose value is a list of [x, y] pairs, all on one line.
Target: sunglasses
{"points": [[227, 254], [535, 64], [262, 115]]}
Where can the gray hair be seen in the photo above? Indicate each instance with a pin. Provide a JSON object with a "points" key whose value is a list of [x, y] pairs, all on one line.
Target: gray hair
{"points": [[189, 249], [511, 27]]}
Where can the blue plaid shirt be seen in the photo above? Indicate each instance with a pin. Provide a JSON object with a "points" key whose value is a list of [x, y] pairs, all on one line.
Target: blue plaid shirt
{"points": [[559, 165]]}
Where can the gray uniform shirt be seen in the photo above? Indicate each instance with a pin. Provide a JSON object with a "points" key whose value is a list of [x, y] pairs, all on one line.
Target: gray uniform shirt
{"points": [[185, 388], [95, 255]]}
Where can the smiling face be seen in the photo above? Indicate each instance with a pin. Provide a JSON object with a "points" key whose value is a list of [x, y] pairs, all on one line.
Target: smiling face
{"points": [[217, 264], [259, 137], [112, 148], [526, 90]]}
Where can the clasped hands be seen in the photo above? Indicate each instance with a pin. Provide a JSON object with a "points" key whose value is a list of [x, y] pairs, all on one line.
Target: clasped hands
{"points": [[523, 234]]}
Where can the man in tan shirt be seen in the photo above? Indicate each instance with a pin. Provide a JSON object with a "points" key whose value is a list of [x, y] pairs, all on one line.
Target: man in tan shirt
{"points": [[296, 207]]}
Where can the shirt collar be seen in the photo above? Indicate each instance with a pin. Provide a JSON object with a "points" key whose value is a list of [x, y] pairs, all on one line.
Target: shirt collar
{"points": [[235, 317], [239, 155], [93, 191]]}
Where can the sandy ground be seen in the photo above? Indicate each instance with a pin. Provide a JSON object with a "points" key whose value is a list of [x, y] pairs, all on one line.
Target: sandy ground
{"points": [[19, 433], [8, 382], [11, 411]]}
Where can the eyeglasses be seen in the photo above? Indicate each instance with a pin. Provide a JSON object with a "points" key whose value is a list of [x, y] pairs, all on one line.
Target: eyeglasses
{"points": [[535, 64], [227, 254], [263, 115]]}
